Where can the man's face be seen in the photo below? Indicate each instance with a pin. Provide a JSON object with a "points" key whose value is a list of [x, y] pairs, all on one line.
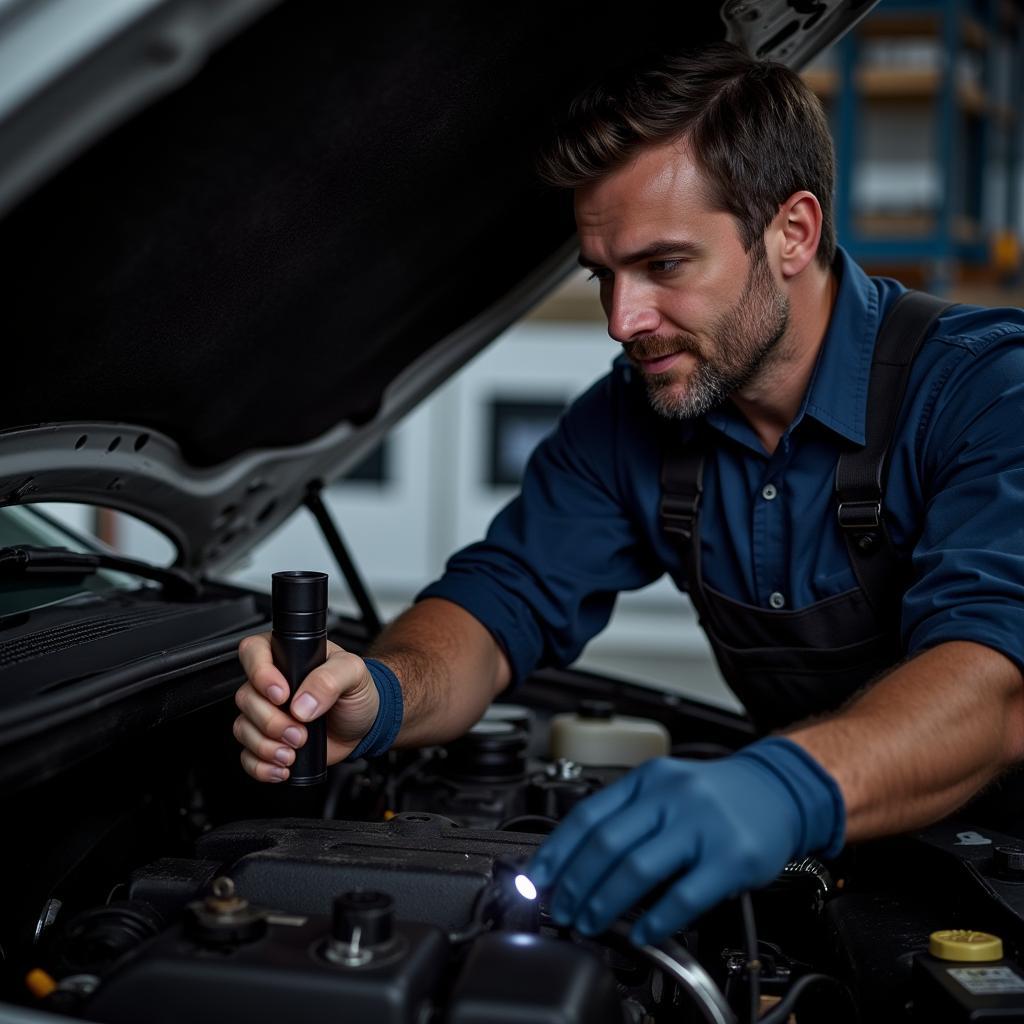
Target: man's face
{"points": [[699, 317]]}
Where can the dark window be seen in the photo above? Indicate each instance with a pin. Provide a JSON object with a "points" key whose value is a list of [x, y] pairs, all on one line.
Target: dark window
{"points": [[516, 429], [375, 468]]}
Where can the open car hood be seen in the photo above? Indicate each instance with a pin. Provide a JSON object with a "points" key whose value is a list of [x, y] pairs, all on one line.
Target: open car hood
{"points": [[241, 238]]}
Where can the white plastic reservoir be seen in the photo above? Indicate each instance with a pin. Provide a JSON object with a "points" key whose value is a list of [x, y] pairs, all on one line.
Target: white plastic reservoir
{"points": [[595, 736]]}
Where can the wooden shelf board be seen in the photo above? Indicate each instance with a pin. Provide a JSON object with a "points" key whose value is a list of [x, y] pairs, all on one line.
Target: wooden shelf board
{"points": [[823, 81], [883, 25], [894, 225], [916, 84], [914, 225]]}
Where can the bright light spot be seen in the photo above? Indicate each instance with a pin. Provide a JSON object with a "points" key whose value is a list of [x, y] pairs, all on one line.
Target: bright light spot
{"points": [[526, 888]]}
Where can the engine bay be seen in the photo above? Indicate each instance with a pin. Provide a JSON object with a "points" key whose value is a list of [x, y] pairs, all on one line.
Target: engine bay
{"points": [[147, 885]]}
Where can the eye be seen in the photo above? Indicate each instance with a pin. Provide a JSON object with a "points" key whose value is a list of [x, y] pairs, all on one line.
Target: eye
{"points": [[600, 274], [665, 266]]}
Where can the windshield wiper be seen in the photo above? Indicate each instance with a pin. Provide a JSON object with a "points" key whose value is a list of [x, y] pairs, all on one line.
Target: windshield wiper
{"points": [[32, 560]]}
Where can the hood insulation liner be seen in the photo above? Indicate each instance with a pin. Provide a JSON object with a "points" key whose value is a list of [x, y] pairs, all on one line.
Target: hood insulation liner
{"points": [[252, 260]]}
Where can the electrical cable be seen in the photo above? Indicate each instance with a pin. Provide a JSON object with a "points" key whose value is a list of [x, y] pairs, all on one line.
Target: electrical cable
{"points": [[55, 562], [779, 1013], [753, 971], [395, 782], [486, 900], [751, 975]]}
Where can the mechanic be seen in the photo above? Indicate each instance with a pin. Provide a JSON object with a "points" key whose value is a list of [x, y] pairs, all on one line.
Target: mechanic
{"points": [[882, 665]]}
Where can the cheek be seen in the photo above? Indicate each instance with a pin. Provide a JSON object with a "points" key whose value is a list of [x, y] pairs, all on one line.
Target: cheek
{"points": [[687, 311], [694, 304]]}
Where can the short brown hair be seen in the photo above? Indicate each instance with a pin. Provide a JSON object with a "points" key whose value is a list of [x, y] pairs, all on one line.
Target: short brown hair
{"points": [[756, 130]]}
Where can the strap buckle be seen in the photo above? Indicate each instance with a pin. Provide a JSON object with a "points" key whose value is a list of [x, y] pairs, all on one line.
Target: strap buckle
{"points": [[678, 513], [860, 515]]}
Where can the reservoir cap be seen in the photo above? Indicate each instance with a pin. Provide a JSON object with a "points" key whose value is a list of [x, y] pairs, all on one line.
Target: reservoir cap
{"points": [[597, 710], [959, 944], [1008, 859]]}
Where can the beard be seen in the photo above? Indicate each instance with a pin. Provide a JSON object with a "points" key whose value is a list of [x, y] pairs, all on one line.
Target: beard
{"points": [[740, 344]]}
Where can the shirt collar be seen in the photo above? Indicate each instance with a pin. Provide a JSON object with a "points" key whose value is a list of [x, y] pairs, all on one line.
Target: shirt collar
{"points": [[837, 393]]}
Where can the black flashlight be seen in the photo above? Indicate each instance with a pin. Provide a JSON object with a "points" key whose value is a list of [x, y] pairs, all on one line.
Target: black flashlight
{"points": [[299, 644]]}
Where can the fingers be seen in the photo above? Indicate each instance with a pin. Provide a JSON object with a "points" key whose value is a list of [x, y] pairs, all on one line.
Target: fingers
{"points": [[603, 849], [265, 733], [258, 663], [341, 673], [260, 770], [560, 848], [264, 748], [616, 868], [700, 889], [271, 721], [641, 870]]}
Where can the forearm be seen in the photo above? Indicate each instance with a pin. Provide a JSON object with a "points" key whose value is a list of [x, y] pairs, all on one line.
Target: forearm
{"points": [[922, 740], [450, 668]]}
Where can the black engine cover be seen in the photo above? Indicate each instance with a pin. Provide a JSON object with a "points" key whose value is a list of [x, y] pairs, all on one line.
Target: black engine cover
{"points": [[431, 868]]}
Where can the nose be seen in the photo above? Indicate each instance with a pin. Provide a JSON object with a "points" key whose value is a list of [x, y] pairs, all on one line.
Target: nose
{"points": [[630, 309]]}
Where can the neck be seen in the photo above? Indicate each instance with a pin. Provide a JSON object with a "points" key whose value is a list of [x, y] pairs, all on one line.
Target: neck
{"points": [[771, 401]]}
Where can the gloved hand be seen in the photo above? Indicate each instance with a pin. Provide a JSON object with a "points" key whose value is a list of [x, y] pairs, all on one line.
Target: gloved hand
{"points": [[722, 826]]}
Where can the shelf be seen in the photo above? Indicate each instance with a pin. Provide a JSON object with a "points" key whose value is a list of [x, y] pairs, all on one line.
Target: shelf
{"points": [[944, 64], [898, 84], [823, 81], [916, 84], [922, 23], [875, 226]]}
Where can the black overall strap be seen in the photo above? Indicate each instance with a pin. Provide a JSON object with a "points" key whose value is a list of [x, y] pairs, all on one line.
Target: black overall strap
{"points": [[861, 474], [682, 485]]}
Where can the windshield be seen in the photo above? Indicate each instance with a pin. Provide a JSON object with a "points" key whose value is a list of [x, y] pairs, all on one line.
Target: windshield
{"points": [[28, 525]]}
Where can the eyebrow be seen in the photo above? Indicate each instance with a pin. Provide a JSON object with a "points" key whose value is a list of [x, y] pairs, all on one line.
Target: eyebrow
{"points": [[663, 247]]}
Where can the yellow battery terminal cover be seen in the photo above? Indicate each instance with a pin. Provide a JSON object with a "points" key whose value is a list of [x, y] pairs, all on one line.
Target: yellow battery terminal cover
{"points": [[39, 983], [959, 944]]}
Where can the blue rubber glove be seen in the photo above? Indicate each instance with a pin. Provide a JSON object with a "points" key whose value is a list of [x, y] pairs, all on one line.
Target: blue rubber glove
{"points": [[721, 826]]}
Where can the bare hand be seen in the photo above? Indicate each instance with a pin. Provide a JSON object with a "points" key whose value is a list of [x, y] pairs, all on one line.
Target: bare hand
{"points": [[342, 688]]}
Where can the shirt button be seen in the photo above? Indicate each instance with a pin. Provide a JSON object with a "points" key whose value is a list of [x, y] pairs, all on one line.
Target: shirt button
{"points": [[769, 492], [776, 600]]}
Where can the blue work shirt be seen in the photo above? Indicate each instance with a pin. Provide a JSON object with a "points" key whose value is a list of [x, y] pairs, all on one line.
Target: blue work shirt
{"points": [[585, 525]]}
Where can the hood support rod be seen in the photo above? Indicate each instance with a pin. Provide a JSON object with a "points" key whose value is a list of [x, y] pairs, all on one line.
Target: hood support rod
{"points": [[314, 502]]}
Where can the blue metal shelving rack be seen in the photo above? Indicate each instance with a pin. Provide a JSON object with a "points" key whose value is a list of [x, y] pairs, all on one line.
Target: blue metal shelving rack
{"points": [[968, 133]]}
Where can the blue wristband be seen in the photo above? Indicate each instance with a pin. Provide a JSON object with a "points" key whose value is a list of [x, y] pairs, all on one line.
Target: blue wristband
{"points": [[389, 714]]}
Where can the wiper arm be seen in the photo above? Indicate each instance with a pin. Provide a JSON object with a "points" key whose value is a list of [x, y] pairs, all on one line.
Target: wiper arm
{"points": [[30, 560]]}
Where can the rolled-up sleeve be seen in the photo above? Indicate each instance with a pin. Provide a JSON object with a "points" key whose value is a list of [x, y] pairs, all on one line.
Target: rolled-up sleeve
{"points": [[968, 563], [544, 579]]}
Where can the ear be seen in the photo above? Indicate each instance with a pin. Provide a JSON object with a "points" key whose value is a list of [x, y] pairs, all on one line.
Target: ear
{"points": [[795, 233]]}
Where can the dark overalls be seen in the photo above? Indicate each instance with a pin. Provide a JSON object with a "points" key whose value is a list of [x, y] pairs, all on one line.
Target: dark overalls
{"points": [[786, 665]]}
